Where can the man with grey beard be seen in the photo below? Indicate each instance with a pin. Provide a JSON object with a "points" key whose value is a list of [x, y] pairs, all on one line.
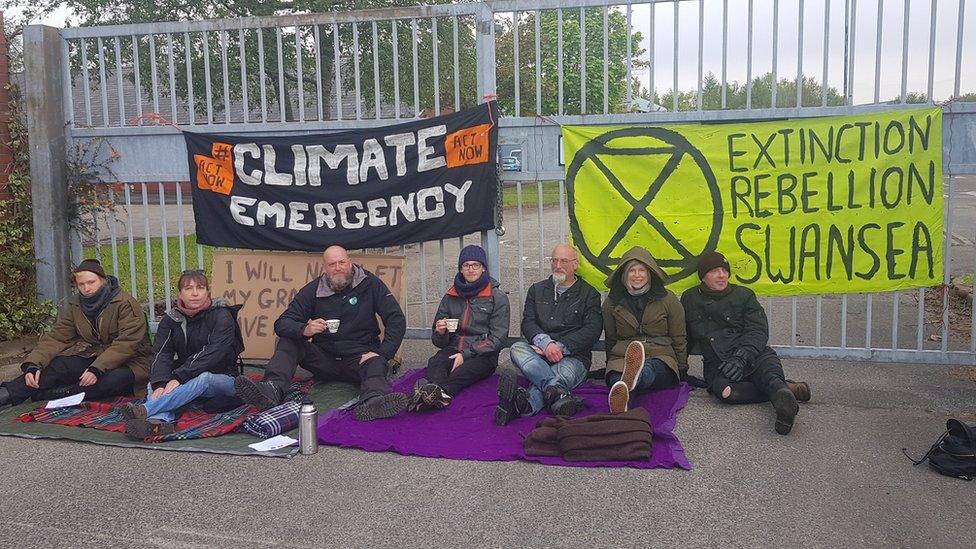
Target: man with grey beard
{"points": [[561, 322], [330, 329]]}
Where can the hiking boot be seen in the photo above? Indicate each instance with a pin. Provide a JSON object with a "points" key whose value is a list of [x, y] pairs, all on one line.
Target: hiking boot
{"points": [[416, 401], [568, 406], [552, 394], [513, 401], [381, 406], [786, 409], [633, 364], [132, 410], [439, 398], [141, 429], [262, 394], [800, 389], [619, 398]]}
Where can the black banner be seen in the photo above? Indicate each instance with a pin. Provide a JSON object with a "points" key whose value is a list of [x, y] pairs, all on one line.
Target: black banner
{"points": [[424, 180]]}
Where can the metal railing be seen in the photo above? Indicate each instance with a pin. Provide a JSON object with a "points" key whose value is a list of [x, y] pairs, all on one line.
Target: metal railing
{"points": [[550, 62]]}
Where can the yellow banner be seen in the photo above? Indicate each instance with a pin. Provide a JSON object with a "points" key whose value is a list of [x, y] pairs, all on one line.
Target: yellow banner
{"points": [[841, 204]]}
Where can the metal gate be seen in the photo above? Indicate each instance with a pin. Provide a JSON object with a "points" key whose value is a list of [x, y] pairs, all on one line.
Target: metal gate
{"points": [[131, 88]]}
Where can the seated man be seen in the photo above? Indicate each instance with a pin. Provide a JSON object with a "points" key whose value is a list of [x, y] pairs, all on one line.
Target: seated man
{"points": [[728, 326], [561, 321], [99, 345], [351, 351]]}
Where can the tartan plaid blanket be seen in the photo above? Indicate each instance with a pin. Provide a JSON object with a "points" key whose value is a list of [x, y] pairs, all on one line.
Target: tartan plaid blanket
{"points": [[191, 424], [277, 420]]}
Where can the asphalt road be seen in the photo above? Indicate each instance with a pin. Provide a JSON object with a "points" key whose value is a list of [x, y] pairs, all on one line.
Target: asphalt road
{"points": [[839, 479]]}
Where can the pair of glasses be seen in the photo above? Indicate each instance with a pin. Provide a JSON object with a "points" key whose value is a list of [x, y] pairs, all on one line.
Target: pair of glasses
{"points": [[193, 271], [471, 265], [561, 261]]}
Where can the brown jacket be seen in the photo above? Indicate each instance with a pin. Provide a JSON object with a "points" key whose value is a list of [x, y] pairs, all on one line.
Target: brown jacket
{"points": [[661, 327], [122, 338]]}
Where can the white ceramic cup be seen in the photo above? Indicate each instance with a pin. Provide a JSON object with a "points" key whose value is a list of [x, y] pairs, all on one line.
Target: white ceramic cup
{"points": [[452, 324], [333, 325]]}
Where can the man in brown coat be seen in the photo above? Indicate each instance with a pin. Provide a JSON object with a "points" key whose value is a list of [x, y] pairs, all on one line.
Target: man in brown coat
{"points": [[644, 327], [99, 345]]}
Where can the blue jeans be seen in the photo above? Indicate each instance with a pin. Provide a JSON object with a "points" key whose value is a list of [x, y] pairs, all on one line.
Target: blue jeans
{"points": [[568, 373], [205, 385], [655, 375]]}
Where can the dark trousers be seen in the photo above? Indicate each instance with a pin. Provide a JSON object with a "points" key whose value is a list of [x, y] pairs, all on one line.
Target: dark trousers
{"points": [[655, 376], [471, 371], [291, 353], [64, 371], [765, 378]]}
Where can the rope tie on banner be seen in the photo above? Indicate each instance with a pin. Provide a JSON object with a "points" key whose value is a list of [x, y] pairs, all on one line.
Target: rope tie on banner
{"points": [[155, 119]]}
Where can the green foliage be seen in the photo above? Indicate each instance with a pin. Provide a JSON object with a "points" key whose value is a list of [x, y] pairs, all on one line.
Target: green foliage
{"points": [[572, 69], [760, 96], [21, 312]]}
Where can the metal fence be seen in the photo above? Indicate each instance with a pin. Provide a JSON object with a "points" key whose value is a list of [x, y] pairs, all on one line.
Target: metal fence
{"points": [[549, 62]]}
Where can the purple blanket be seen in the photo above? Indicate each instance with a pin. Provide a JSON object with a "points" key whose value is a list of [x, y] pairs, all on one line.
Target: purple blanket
{"points": [[465, 430]]}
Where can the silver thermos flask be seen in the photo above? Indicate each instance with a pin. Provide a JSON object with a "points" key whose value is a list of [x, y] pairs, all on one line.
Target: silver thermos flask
{"points": [[308, 419]]}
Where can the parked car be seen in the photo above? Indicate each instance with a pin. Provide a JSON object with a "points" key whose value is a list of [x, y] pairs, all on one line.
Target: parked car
{"points": [[511, 164]]}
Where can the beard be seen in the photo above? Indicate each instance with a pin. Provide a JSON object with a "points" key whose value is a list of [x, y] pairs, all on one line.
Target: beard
{"points": [[339, 282], [559, 278]]}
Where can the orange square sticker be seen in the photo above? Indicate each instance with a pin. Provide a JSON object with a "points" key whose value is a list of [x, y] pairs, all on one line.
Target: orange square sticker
{"points": [[216, 172], [467, 146]]}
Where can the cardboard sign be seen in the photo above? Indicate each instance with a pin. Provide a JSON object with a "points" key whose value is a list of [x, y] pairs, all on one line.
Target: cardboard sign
{"points": [[266, 282]]}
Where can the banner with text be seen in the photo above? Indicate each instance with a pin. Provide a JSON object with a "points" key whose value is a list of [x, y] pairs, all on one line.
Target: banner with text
{"points": [[422, 180], [266, 282], [804, 206]]}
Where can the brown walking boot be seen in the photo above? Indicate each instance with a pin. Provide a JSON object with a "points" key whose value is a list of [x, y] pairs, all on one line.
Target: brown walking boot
{"points": [[800, 389]]}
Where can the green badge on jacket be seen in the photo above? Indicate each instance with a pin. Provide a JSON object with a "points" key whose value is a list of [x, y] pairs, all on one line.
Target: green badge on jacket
{"points": [[353, 300]]}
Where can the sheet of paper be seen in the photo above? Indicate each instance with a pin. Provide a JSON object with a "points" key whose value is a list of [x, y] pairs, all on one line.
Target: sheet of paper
{"points": [[72, 400], [272, 443]]}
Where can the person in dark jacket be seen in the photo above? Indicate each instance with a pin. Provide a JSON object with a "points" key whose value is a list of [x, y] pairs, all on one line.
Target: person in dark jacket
{"points": [[330, 329], [194, 357], [470, 328], [561, 321], [645, 330], [99, 345], [728, 327]]}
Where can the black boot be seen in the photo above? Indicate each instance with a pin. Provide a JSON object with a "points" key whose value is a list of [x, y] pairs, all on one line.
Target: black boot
{"points": [[513, 401], [4, 396], [561, 402], [786, 409], [56, 393], [262, 394]]}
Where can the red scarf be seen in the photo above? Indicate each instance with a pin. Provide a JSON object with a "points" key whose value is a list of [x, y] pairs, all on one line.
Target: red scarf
{"points": [[190, 313]]}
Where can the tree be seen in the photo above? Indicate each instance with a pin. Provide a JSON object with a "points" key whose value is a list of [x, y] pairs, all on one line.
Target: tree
{"points": [[572, 71], [280, 83], [738, 95]]}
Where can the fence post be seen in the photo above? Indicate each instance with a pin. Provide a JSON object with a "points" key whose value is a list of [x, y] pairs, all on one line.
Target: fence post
{"points": [[485, 54], [46, 130]]}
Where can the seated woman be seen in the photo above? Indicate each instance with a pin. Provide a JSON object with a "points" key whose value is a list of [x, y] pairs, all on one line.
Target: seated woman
{"points": [[195, 356], [479, 315], [99, 345], [644, 327], [728, 326]]}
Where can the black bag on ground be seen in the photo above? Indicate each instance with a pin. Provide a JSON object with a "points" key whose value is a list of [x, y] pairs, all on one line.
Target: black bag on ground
{"points": [[954, 454]]}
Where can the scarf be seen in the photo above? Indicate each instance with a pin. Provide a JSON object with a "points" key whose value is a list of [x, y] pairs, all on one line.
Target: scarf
{"points": [[191, 312], [713, 294], [94, 304], [467, 290]]}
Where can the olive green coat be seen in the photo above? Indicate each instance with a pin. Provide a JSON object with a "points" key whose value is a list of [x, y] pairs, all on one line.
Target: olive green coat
{"points": [[121, 337], [661, 328]]}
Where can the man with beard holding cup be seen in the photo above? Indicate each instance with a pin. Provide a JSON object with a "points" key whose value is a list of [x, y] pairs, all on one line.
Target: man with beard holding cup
{"points": [[330, 329]]}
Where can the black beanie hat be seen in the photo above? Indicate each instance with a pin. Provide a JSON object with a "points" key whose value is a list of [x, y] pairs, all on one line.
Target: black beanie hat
{"points": [[90, 265], [472, 252], [709, 261]]}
